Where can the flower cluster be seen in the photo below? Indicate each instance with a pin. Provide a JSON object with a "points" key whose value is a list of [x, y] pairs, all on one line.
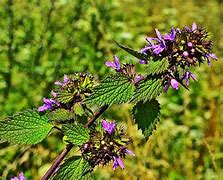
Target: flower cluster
{"points": [[106, 145], [20, 177], [127, 70], [182, 48], [71, 91]]}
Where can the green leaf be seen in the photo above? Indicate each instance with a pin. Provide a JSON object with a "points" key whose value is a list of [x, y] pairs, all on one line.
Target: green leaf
{"points": [[146, 115], [157, 67], [73, 168], [61, 115], [64, 97], [76, 134], [27, 127], [147, 89], [131, 51], [112, 90]]}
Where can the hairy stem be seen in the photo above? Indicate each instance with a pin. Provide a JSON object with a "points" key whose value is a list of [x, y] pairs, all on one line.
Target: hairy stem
{"points": [[67, 149]]}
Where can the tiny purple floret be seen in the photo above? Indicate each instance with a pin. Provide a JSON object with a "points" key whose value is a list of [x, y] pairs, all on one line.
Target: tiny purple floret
{"points": [[210, 55], [129, 152], [174, 84], [118, 162], [21, 177], [108, 126], [48, 104], [115, 64], [171, 36], [189, 44], [185, 53], [189, 75], [138, 78], [194, 26]]}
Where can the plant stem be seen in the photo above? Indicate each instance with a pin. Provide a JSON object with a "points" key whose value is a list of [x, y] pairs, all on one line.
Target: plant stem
{"points": [[67, 149]]}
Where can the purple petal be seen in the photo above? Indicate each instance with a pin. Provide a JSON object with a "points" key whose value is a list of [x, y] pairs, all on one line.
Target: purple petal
{"points": [[138, 78], [58, 83], [174, 84], [47, 101], [141, 61], [143, 50], [21, 176], [108, 126], [212, 55], [14, 178], [54, 94], [129, 152], [158, 34], [44, 108], [158, 49], [118, 162], [189, 44], [185, 53], [117, 63], [150, 40], [110, 64], [194, 27], [171, 36], [166, 87], [54, 102], [65, 79]]}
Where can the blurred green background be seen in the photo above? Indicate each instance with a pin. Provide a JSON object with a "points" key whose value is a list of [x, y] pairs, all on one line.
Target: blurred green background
{"points": [[40, 40]]}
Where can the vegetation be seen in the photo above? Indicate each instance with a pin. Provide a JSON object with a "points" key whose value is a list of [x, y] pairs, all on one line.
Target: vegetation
{"points": [[42, 40]]}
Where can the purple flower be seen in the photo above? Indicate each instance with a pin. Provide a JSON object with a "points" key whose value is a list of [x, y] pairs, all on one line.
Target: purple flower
{"points": [[21, 177], [171, 36], [65, 81], [210, 55], [118, 162], [189, 75], [185, 53], [194, 26], [48, 104], [129, 152], [54, 94], [141, 61], [158, 48], [115, 65], [138, 78], [189, 44], [174, 84], [108, 126]]}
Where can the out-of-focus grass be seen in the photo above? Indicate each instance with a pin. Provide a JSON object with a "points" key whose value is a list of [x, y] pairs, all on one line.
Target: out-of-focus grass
{"points": [[50, 39]]}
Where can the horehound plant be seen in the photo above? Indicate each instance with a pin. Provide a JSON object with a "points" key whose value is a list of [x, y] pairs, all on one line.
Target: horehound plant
{"points": [[167, 59]]}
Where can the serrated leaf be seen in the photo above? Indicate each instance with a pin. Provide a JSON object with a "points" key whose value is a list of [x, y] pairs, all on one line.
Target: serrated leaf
{"points": [[147, 89], [157, 67], [61, 115], [146, 115], [133, 52], [73, 168], [64, 97], [76, 134], [27, 127], [112, 90]]}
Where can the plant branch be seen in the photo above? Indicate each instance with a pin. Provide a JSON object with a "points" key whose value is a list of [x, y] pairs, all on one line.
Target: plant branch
{"points": [[67, 149]]}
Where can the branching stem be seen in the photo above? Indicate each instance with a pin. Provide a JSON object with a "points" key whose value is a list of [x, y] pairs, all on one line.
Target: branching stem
{"points": [[67, 149]]}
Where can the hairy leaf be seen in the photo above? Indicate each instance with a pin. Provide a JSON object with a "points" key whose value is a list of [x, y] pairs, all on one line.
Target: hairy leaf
{"points": [[64, 97], [61, 115], [77, 134], [146, 115], [27, 127], [147, 89], [157, 67], [112, 90], [131, 51], [73, 168]]}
